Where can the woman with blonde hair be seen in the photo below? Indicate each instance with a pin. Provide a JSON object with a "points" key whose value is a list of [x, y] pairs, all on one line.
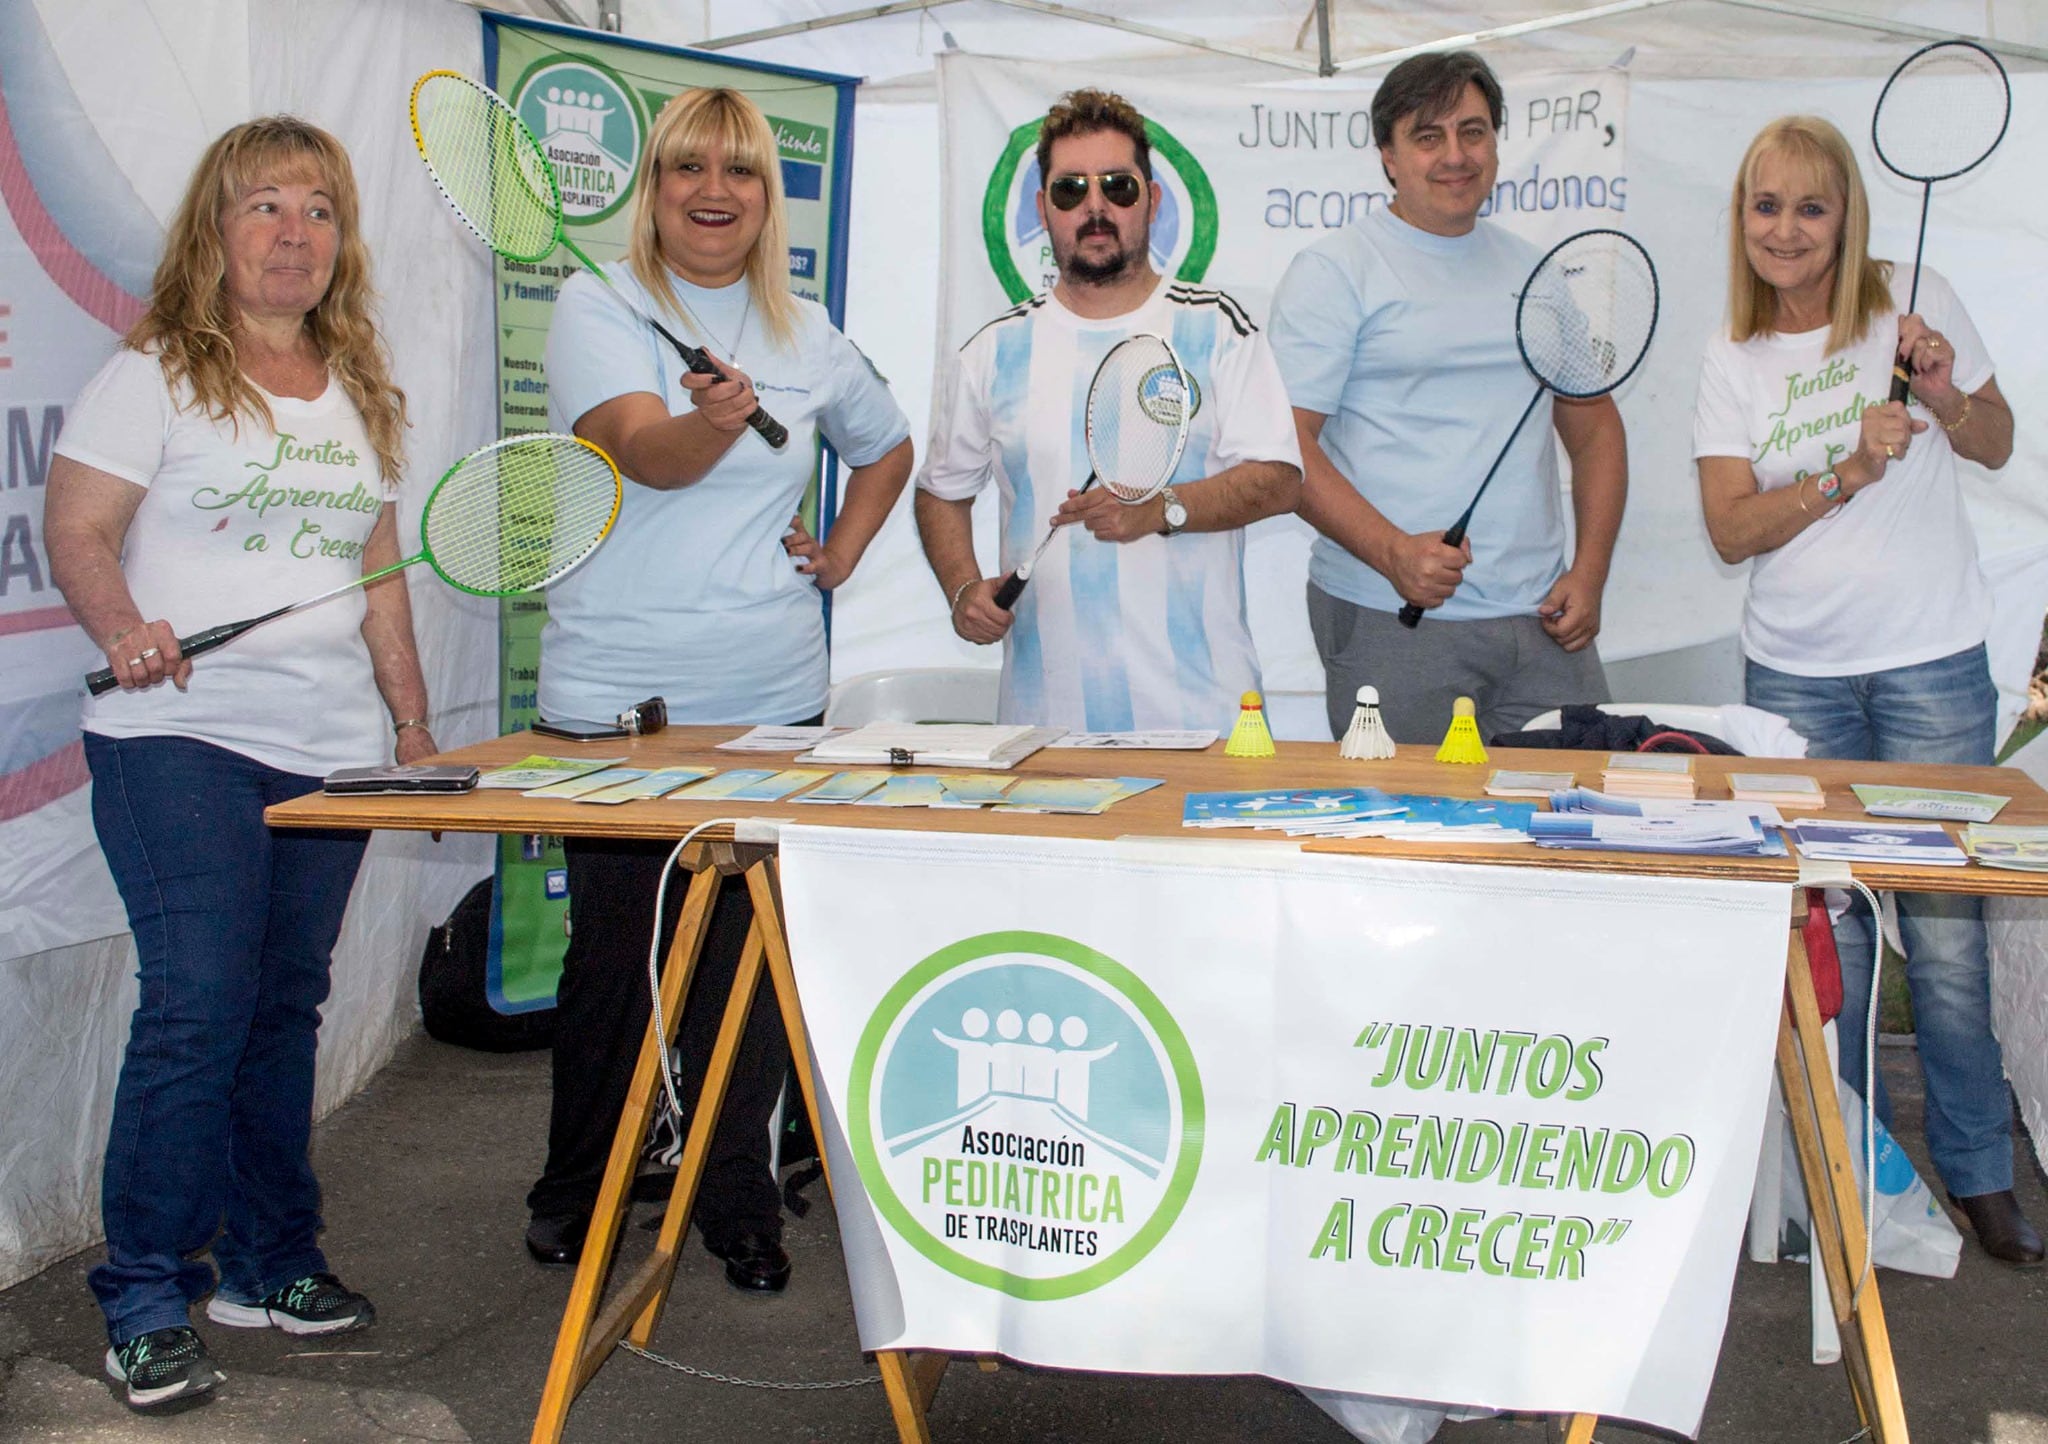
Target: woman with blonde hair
{"points": [[707, 593], [1867, 611], [242, 450]]}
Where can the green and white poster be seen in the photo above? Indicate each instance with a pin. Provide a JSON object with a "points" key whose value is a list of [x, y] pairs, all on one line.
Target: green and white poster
{"points": [[591, 102]]}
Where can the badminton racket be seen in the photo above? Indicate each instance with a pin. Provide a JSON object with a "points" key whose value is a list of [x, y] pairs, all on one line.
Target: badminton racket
{"points": [[1136, 427], [510, 517], [1583, 325], [492, 173], [1944, 110]]}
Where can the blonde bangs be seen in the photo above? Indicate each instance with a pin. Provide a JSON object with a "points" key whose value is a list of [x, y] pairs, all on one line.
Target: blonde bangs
{"points": [[689, 127]]}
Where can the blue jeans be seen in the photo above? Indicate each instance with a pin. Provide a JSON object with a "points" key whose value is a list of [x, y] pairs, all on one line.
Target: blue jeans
{"points": [[234, 925], [1940, 711]]}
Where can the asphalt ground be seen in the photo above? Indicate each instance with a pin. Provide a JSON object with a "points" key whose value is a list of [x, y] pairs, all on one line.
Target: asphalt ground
{"points": [[425, 1174]]}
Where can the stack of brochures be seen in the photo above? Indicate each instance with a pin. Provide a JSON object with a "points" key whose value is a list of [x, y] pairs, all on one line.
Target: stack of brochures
{"points": [[1361, 812], [1648, 774], [1923, 844], [2022, 849], [1788, 788], [935, 744], [1928, 802], [1598, 822]]}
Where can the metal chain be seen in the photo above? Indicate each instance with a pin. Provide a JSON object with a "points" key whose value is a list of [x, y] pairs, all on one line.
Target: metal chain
{"points": [[717, 1378]]}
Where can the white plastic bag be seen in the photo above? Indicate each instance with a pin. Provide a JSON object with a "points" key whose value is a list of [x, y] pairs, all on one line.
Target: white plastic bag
{"points": [[1377, 1420]]}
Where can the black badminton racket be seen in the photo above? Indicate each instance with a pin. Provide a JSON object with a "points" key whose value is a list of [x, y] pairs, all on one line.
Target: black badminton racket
{"points": [[1583, 325], [1139, 406], [492, 173], [1942, 113], [510, 517]]}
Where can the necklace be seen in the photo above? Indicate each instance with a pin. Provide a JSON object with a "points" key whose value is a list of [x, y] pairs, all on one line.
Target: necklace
{"points": [[732, 352]]}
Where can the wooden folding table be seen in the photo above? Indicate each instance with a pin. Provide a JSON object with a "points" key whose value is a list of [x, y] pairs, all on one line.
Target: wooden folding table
{"points": [[593, 1325]]}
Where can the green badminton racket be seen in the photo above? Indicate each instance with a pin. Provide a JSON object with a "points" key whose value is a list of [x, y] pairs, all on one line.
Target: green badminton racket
{"points": [[492, 173], [514, 516]]}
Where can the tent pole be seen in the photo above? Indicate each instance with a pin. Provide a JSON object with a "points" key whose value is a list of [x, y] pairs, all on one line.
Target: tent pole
{"points": [[1886, 27], [1503, 32], [1171, 37], [822, 22], [1325, 67]]}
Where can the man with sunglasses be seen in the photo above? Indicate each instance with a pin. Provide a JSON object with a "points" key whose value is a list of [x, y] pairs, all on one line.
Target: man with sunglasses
{"points": [[1397, 339], [1135, 615]]}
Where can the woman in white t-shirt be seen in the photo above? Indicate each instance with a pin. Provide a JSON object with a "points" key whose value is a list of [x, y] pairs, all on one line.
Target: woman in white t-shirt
{"points": [[241, 451], [707, 593], [1867, 612]]}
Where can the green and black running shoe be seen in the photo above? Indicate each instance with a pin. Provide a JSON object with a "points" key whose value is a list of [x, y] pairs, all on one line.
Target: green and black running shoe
{"points": [[161, 1366], [315, 1304]]}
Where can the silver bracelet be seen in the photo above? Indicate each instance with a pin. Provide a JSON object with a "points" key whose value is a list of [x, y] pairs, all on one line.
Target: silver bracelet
{"points": [[959, 592], [398, 727]]}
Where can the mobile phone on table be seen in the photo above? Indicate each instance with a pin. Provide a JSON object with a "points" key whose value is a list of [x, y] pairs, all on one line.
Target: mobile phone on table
{"points": [[577, 731]]}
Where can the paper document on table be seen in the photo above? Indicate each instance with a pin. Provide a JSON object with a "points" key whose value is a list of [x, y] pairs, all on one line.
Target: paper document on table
{"points": [[1920, 843], [779, 739], [941, 744], [1161, 740], [1928, 802], [531, 772]]}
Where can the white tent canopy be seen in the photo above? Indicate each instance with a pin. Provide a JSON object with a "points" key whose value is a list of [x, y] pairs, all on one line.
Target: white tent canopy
{"points": [[1704, 75]]}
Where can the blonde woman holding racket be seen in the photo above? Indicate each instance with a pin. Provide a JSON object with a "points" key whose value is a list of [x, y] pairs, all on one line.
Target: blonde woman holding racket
{"points": [[707, 593], [241, 451]]}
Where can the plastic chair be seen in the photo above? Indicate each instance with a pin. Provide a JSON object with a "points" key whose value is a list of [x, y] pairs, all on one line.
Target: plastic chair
{"points": [[915, 694]]}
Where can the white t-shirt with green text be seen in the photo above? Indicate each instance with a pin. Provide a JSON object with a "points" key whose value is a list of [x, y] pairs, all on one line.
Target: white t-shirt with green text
{"points": [[236, 521], [1891, 579]]}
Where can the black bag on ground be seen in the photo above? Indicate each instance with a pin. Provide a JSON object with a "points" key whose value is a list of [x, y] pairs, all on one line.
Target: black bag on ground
{"points": [[454, 1003]]}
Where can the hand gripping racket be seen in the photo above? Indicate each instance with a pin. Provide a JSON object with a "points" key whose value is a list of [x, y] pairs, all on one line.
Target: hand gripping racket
{"points": [[491, 171], [510, 517], [1139, 407], [1583, 325], [1944, 110]]}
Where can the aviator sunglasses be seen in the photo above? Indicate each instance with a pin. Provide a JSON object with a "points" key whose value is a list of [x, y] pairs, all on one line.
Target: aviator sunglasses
{"points": [[1119, 187]]}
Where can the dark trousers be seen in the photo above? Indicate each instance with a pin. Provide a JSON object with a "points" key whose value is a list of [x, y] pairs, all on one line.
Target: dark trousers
{"points": [[234, 926], [601, 1018]]}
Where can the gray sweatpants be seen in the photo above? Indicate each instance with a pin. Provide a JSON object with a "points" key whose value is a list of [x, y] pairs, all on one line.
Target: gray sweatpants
{"points": [[1508, 666]]}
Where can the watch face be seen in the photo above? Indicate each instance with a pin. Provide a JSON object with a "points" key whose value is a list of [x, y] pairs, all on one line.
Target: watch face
{"points": [[1176, 515]]}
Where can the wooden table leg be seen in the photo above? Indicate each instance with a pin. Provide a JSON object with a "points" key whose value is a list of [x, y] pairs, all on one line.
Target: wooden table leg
{"points": [[575, 1359], [1578, 1428], [1835, 1206], [910, 1380]]}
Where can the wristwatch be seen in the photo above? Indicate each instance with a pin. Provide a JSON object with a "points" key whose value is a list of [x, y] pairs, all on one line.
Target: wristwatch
{"points": [[1829, 485], [1176, 514]]}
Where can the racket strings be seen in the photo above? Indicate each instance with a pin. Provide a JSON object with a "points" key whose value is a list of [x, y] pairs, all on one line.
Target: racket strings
{"points": [[487, 165], [1588, 313], [1942, 112], [1139, 406], [516, 517]]}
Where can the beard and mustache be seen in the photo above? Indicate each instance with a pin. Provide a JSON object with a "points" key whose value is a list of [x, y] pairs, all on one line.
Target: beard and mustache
{"points": [[1109, 268]]}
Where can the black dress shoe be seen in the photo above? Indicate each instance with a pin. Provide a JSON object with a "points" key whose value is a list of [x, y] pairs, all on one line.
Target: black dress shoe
{"points": [[556, 1239], [2001, 1228], [754, 1263]]}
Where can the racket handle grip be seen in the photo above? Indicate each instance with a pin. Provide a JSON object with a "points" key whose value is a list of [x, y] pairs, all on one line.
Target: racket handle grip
{"points": [[772, 431], [195, 645], [698, 360], [1901, 382], [1009, 591], [1411, 616]]}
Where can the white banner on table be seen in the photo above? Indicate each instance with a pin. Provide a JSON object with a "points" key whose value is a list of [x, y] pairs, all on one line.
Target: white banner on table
{"points": [[1419, 1129]]}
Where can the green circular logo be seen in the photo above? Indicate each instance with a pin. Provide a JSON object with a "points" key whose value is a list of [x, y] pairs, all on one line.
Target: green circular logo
{"points": [[1026, 1114], [590, 127], [1183, 239]]}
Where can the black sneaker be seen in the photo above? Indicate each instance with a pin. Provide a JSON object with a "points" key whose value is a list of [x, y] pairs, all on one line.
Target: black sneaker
{"points": [[161, 1366], [315, 1304]]}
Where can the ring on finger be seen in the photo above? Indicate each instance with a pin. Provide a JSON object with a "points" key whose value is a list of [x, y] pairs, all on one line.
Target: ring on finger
{"points": [[135, 661], [1889, 454], [147, 653]]}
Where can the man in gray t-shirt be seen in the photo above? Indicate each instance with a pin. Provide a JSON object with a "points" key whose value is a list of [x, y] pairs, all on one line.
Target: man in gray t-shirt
{"points": [[1396, 337]]}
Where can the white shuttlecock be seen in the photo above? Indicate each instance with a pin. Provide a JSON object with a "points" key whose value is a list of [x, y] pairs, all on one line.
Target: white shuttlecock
{"points": [[1366, 739]]}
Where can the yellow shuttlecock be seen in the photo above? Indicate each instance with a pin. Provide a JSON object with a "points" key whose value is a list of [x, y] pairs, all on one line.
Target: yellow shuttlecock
{"points": [[1366, 739], [1250, 737], [1461, 743]]}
